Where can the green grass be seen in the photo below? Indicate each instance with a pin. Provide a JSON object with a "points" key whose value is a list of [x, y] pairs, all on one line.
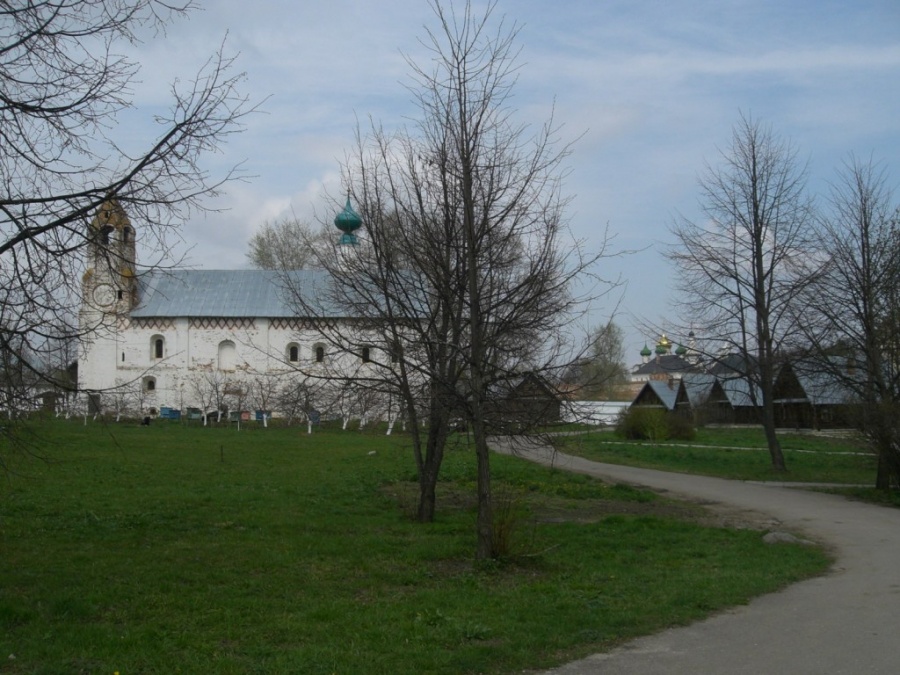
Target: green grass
{"points": [[181, 549], [737, 453]]}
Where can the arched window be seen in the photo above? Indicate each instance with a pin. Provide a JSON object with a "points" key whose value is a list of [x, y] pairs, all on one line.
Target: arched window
{"points": [[395, 352], [157, 347], [293, 352], [126, 235], [149, 384], [320, 353], [227, 355], [366, 354]]}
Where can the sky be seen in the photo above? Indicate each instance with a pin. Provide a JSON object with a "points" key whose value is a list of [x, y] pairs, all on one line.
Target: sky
{"points": [[647, 91]]}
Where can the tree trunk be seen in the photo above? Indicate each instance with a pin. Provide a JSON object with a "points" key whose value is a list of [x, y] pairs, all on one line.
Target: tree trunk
{"points": [[883, 477], [485, 523], [766, 356], [427, 498], [775, 451], [428, 478], [429, 466]]}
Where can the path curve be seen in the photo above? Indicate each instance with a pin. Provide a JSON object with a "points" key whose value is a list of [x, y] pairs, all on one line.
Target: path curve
{"points": [[842, 623]]}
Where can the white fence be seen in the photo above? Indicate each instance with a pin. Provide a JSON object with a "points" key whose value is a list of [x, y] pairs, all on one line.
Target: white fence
{"points": [[593, 412]]}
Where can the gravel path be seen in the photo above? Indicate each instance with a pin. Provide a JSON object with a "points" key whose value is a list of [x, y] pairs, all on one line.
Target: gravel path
{"points": [[843, 622]]}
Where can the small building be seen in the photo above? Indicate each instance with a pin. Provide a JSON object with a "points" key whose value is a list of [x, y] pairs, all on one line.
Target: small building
{"points": [[692, 395], [733, 400], [811, 395], [524, 402], [656, 394]]}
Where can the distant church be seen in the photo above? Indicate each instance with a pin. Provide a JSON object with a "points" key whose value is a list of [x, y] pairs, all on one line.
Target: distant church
{"points": [[183, 339], [665, 364]]}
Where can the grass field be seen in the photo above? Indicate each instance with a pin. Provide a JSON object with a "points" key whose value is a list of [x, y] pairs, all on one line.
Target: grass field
{"points": [[168, 549], [738, 453]]}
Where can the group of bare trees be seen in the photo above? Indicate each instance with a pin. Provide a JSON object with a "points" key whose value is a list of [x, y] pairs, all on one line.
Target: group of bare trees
{"points": [[851, 324], [285, 244], [772, 276]]}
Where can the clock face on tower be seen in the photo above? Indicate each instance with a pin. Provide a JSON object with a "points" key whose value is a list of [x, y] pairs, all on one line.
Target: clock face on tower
{"points": [[104, 295]]}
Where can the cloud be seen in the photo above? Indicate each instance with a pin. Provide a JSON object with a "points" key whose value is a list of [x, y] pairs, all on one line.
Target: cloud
{"points": [[650, 90]]}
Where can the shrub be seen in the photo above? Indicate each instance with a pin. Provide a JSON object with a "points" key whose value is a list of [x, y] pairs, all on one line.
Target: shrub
{"points": [[653, 424], [680, 428], [646, 424]]}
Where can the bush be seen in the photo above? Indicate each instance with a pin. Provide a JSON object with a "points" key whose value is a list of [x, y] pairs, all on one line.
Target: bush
{"points": [[680, 428], [653, 424], [642, 424]]}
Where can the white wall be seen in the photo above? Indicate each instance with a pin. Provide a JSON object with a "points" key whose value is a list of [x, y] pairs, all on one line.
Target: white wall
{"points": [[593, 412], [123, 358]]}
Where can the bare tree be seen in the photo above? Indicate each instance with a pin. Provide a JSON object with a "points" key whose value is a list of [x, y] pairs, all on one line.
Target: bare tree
{"points": [[461, 281], [742, 268], [62, 84], [285, 244], [125, 399], [237, 391], [851, 316], [264, 393], [209, 386], [293, 399], [602, 370], [310, 398]]}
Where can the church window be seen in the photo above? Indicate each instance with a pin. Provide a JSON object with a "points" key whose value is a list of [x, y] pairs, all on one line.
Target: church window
{"points": [[150, 384], [366, 354], [293, 352], [104, 235], [395, 352], [320, 353], [126, 235], [157, 346], [227, 355], [123, 357], [120, 293]]}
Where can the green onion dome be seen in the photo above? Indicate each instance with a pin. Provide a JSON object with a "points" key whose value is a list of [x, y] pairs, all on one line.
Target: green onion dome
{"points": [[348, 221]]}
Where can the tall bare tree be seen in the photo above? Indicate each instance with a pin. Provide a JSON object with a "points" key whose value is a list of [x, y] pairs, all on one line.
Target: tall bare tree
{"points": [[465, 266], [742, 268], [851, 316], [285, 244], [62, 84], [602, 370]]}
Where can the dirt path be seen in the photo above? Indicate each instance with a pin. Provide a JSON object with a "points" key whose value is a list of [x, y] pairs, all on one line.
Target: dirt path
{"points": [[844, 622]]}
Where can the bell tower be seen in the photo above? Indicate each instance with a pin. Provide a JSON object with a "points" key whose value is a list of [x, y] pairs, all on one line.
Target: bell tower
{"points": [[109, 282], [109, 291]]}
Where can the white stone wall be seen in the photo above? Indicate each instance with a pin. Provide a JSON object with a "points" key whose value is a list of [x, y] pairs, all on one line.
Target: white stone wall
{"points": [[120, 361], [594, 412]]}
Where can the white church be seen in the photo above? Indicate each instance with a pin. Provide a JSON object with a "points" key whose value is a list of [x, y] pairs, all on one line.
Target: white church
{"points": [[194, 339]]}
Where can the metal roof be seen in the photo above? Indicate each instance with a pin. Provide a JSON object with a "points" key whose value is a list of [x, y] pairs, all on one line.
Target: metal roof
{"points": [[697, 387], [666, 363], [661, 390], [831, 382], [232, 294], [739, 392]]}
